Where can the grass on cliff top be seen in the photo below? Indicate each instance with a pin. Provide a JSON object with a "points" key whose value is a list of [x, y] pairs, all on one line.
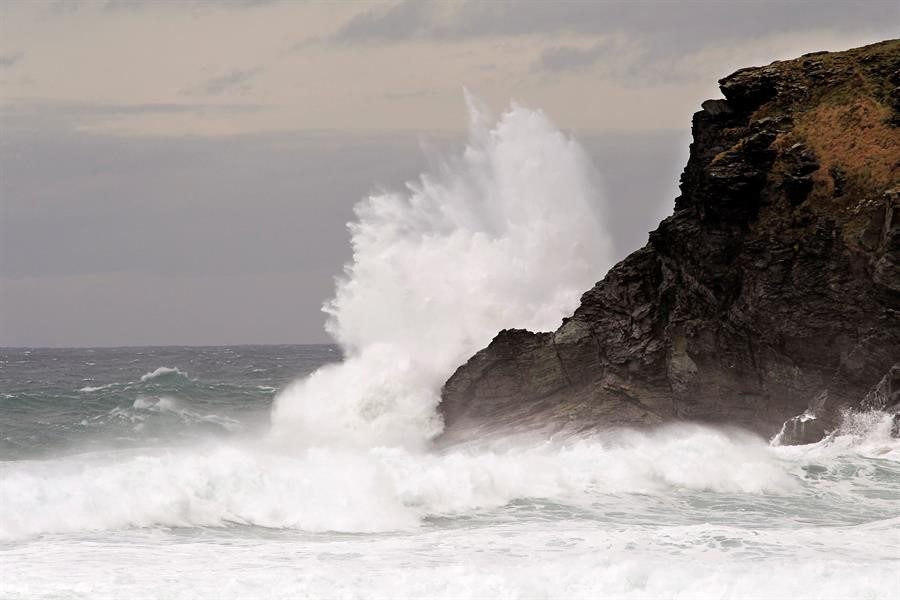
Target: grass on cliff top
{"points": [[848, 123], [854, 137]]}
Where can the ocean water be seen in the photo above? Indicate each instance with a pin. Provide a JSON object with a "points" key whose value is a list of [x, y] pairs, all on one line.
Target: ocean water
{"points": [[317, 471], [148, 473]]}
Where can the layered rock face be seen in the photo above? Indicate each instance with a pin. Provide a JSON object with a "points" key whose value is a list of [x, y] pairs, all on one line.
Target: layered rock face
{"points": [[772, 291]]}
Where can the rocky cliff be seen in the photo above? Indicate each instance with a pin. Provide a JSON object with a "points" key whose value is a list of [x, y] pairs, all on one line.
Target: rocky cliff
{"points": [[772, 292]]}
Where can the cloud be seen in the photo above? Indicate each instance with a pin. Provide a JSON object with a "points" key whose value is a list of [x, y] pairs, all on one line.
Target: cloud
{"points": [[95, 109], [41, 115], [237, 79], [400, 21], [564, 58], [686, 22], [10, 60], [410, 94], [117, 5]]}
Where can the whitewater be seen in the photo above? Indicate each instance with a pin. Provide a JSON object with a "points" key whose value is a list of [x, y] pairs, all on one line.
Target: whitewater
{"points": [[313, 471]]}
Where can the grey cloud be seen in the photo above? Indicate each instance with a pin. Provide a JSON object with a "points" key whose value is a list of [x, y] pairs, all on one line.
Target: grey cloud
{"points": [[100, 109], [405, 20], [688, 22], [116, 5], [34, 115], [631, 66], [565, 58], [237, 79], [9, 60], [409, 95]]}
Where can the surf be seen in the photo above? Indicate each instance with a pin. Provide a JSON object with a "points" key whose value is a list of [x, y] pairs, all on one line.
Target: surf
{"points": [[508, 233]]}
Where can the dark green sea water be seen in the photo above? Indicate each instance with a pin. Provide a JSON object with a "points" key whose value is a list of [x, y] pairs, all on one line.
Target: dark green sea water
{"points": [[58, 401]]}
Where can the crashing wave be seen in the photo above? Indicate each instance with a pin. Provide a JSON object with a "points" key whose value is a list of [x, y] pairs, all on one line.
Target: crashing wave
{"points": [[164, 373], [509, 234]]}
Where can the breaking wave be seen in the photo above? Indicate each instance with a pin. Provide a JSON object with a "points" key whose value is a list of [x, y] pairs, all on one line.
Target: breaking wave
{"points": [[380, 489], [508, 234], [386, 489], [164, 373]]}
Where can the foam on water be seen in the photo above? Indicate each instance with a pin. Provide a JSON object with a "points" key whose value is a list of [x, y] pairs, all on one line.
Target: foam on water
{"points": [[386, 489], [684, 512], [162, 372]]}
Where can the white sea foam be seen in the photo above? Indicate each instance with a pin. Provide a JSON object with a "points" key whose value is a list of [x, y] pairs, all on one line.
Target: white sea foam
{"points": [[509, 234], [867, 433], [162, 372], [379, 489], [541, 560], [168, 405], [97, 388]]}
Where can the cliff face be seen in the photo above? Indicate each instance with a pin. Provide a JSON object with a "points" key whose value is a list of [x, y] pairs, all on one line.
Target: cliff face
{"points": [[772, 291]]}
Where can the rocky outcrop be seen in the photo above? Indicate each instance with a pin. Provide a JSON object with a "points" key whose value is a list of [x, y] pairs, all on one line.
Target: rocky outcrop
{"points": [[772, 292]]}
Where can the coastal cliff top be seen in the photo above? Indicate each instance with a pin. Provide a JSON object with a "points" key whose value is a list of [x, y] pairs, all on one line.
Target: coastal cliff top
{"points": [[833, 97]]}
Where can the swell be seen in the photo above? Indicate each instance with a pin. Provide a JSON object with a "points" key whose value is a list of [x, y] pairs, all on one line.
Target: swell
{"points": [[163, 405]]}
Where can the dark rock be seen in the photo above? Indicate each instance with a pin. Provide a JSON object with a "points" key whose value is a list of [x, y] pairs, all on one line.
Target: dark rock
{"points": [[887, 265], [749, 88], [800, 164], [769, 293], [717, 107], [802, 429], [838, 179], [885, 395]]}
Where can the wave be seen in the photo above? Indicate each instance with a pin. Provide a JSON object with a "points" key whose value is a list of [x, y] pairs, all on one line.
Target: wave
{"points": [[164, 373], [388, 489], [157, 376], [172, 406], [508, 234], [868, 433], [92, 388]]}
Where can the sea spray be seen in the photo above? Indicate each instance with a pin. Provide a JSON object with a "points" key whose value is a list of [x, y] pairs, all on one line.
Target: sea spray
{"points": [[508, 234]]}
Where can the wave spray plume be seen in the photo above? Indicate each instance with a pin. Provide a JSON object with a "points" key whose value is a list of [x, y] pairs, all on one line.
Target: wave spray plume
{"points": [[509, 234]]}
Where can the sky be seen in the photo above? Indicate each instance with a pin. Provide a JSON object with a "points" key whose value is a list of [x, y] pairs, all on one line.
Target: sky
{"points": [[183, 172]]}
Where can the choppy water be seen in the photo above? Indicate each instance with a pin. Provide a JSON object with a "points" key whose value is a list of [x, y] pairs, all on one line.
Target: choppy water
{"points": [[147, 473]]}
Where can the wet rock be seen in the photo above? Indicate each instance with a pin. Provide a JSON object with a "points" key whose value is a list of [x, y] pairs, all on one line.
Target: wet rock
{"points": [[885, 395], [802, 429]]}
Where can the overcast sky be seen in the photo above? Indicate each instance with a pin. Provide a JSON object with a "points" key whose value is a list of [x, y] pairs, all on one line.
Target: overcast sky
{"points": [[182, 172]]}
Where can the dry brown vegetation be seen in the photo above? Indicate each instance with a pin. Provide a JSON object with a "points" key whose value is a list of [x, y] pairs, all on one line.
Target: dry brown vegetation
{"points": [[870, 161]]}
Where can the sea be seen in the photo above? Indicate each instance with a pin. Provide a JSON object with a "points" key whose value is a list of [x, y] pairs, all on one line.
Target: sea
{"points": [[258, 472], [147, 473]]}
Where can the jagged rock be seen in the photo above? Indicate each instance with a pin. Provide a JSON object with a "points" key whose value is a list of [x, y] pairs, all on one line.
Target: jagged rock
{"points": [[800, 164], [885, 395], [802, 429], [773, 287], [887, 267], [717, 107], [822, 416]]}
